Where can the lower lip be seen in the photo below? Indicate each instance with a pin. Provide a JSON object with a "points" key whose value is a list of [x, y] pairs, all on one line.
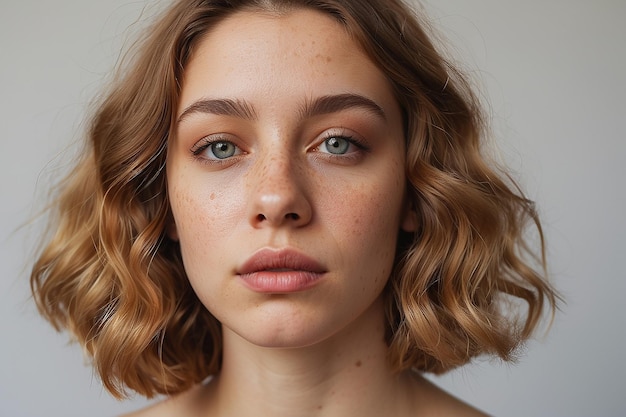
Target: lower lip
{"points": [[280, 282]]}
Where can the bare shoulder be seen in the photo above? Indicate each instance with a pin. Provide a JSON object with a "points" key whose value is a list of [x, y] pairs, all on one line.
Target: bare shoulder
{"points": [[184, 404], [440, 402]]}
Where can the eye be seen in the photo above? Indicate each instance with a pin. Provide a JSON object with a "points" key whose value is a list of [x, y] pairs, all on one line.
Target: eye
{"points": [[215, 149], [222, 149], [336, 145], [342, 144]]}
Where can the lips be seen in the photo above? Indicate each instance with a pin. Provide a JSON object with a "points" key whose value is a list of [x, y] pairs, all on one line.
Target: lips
{"points": [[280, 271]]}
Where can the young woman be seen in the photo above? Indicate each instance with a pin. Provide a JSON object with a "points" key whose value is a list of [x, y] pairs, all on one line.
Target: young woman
{"points": [[283, 210]]}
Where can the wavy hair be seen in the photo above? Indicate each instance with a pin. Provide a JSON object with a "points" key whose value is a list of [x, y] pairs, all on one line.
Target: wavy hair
{"points": [[112, 277]]}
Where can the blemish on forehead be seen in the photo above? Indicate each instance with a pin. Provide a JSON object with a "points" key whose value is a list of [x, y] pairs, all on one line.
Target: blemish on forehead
{"points": [[326, 58]]}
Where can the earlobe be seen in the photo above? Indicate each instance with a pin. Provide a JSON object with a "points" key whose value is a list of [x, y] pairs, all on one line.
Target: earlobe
{"points": [[172, 232], [409, 222], [409, 219]]}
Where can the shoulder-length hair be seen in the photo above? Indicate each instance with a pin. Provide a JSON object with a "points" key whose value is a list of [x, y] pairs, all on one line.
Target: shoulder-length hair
{"points": [[111, 275]]}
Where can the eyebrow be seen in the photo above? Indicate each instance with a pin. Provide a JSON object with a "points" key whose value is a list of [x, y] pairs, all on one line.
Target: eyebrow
{"points": [[319, 106], [220, 107], [335, 103]]}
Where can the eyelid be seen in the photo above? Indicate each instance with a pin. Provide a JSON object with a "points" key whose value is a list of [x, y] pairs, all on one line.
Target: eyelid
{"points": [[206, 142], [344, 133], [359, 148]]}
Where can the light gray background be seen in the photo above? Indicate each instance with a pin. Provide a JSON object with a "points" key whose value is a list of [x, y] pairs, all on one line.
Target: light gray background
{"points": [[554, 73]]}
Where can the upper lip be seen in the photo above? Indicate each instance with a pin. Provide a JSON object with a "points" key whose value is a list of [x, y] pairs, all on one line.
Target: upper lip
{"points": [[279, 259]]}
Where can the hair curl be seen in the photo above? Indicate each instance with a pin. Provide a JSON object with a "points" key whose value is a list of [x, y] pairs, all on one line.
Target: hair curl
{"points": [[112, 277]]}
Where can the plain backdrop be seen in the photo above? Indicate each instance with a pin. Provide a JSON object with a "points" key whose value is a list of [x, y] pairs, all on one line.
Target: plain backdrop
{"points": [[554, 74]]}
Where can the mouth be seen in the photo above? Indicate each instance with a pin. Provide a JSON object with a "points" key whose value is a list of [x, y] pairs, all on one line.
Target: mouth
{"points": [[280, 271]]}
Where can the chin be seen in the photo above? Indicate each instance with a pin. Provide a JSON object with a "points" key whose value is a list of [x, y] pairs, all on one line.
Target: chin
{"points": [[285, 331]]}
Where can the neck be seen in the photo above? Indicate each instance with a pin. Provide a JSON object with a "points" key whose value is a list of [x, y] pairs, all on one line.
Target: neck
{"points": [[347, 374]]}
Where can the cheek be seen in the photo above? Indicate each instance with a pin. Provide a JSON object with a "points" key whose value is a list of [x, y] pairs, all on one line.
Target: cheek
{"points": [[374, 205], [202, 218], [365, 218], [360, 214]]}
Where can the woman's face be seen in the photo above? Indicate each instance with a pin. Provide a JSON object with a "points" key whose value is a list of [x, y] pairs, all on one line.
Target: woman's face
{"points": [[286, 177]]}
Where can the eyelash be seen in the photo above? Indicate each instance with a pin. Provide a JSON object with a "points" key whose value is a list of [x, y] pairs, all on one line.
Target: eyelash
{"points": [[205, 143], [353, 140], [361, 146]]}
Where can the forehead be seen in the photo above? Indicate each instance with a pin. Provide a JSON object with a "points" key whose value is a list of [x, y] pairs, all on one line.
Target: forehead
{"points": [[297, 51], [253, 29]]}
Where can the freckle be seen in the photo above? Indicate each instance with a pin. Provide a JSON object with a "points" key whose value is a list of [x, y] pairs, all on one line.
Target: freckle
{"points": [[319, 407], [328, 59], [358, 364], [212, 196]]}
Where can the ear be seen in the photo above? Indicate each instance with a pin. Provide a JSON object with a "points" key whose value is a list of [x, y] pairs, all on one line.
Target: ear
{"points": [[408, 221]]}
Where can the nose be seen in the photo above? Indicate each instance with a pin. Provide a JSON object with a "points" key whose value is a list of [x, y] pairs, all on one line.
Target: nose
{"points": [[278, 196]]}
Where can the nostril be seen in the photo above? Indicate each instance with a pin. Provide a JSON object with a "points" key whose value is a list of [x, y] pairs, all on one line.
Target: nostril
{"points": [[292, 216], [289, 216]]}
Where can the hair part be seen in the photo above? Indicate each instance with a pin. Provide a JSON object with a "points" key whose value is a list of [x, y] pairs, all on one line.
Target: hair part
{"points": [[111, 275]]}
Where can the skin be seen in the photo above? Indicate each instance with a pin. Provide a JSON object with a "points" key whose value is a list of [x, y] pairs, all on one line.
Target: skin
{"points": [[317, 351]]}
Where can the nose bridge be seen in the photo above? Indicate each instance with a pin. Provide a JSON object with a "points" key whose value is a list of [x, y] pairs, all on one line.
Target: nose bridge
{"points": [[274, 170], [277, 194]]}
